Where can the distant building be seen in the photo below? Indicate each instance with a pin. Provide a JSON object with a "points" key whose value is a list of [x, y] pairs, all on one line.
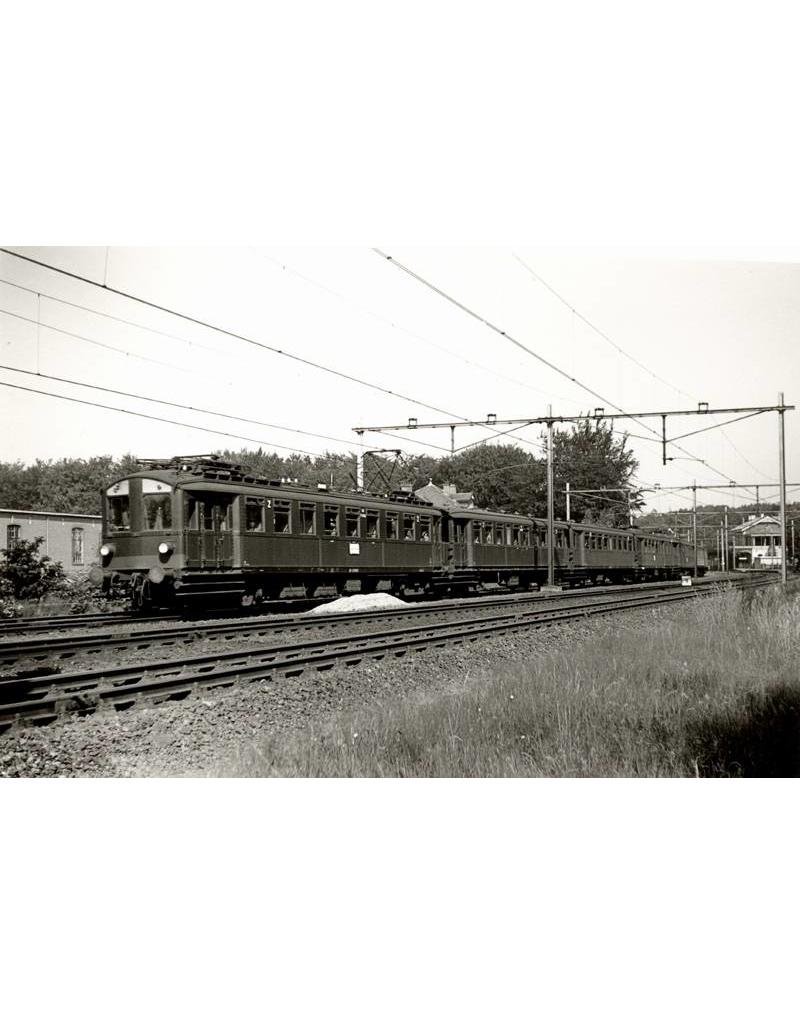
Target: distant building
{"points": [[757, 543], [72, 539], [446, 496]]}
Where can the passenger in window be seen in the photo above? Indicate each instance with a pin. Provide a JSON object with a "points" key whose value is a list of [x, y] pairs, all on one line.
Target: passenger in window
{"points": [[425, 534]]}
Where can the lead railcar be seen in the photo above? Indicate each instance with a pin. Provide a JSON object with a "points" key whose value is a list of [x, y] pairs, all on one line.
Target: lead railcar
{"points": [[205, 531]]}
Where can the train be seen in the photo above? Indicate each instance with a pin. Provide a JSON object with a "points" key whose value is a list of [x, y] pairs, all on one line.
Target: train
{"points": [[199, 531]]}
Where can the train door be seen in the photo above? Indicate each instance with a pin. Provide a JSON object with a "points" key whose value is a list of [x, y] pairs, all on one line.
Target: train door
{"points": [[465, 545], [209, 530]]}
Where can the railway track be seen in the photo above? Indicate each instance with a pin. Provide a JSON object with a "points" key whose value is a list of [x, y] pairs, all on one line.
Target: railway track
{"points": [[41, 699], [60, 623], [57, 651]]}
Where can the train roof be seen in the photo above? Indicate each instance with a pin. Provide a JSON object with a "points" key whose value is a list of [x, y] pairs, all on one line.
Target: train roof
{"points": [[213, 475]]}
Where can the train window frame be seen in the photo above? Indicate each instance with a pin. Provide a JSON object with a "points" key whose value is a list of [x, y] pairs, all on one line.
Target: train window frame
{"points": [[425, 527], [372, 524], [328, 529], [352, 523], [280, 508], [409, 527], [253, 501], [118, 498], [304, 508], [392, 525], [156, 506], [477, 532]]}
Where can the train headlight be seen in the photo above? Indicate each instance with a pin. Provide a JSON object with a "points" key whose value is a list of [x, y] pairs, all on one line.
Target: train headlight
{"points": [[106, 550], [165, 549]]}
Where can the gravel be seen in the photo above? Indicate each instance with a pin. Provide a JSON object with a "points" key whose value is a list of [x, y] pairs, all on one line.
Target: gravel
{"points": [[193, 736]]}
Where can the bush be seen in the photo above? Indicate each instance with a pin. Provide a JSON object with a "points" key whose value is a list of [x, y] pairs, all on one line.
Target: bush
{"points": [[26, 575]]}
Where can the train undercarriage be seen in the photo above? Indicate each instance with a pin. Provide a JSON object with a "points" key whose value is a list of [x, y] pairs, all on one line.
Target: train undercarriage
{"points": [[252, 589]]}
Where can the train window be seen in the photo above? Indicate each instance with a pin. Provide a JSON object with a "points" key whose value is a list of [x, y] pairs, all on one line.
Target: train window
{"points": [[330, 517], [190, 512], [391, 526], [477, 529], [352, 520], [408, 527], [282, 517], [373, 525], [254, 515], [156, 505], [118, 507], [307, 514], [425, 528], [498, 534]]}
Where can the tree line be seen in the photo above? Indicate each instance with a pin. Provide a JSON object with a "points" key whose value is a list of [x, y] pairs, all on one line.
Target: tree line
{"points": [[504, 477]]}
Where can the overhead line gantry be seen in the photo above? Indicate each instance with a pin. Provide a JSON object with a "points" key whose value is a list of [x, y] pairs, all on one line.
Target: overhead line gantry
{"points": [[703, 409]]}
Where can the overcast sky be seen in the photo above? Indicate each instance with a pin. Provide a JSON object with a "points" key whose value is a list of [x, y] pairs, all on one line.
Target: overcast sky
{"points": [[720, 331]]}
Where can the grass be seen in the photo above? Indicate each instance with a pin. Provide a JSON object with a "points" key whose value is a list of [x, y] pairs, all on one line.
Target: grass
{"points": [[713, 690]]}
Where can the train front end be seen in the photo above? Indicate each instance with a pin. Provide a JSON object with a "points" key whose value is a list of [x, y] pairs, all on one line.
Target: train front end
{"points": [[141, 553]]}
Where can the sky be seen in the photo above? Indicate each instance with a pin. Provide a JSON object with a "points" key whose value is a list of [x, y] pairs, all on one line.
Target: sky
{"points": [[676, 330]]}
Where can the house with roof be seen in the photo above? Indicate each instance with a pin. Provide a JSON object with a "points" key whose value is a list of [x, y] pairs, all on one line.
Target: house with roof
{"points": [[446, 497], [757, 543]]}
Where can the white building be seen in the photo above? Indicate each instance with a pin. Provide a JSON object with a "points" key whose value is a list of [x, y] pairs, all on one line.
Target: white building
{"points": [[757, 543]]}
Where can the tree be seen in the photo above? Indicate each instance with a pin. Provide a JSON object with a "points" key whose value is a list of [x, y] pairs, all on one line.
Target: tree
{"points": [[590, 457], [68, 485]]}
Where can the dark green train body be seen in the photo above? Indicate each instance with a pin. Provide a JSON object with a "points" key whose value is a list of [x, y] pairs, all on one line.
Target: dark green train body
{"points": [[199, 531]]}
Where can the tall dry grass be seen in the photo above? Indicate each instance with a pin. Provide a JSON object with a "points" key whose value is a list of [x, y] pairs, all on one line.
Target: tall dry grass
{"points": [[713, 690]]}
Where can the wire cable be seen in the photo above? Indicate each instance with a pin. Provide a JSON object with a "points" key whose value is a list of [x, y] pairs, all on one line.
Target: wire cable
{"points": [[412, 334], [179, 405], [158, 419], [231, 334], [211, 327], [602, 334], [530, 351]]}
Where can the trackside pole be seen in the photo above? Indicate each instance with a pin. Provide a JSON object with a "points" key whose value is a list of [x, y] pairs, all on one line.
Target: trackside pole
{"points": [[550, 516], [782, 461]]}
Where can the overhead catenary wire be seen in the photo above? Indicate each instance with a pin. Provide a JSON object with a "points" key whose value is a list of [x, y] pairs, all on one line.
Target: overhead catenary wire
{"points": [[597, 330], [633, 359], [231, 334], [179, 405], [221, 330], [412, 334], [159, 419], [514, 341]]}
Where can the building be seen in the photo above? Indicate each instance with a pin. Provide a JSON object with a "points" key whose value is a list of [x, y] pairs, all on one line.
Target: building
{"points": [[445, 497], [73, 540], [757, 543]]}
